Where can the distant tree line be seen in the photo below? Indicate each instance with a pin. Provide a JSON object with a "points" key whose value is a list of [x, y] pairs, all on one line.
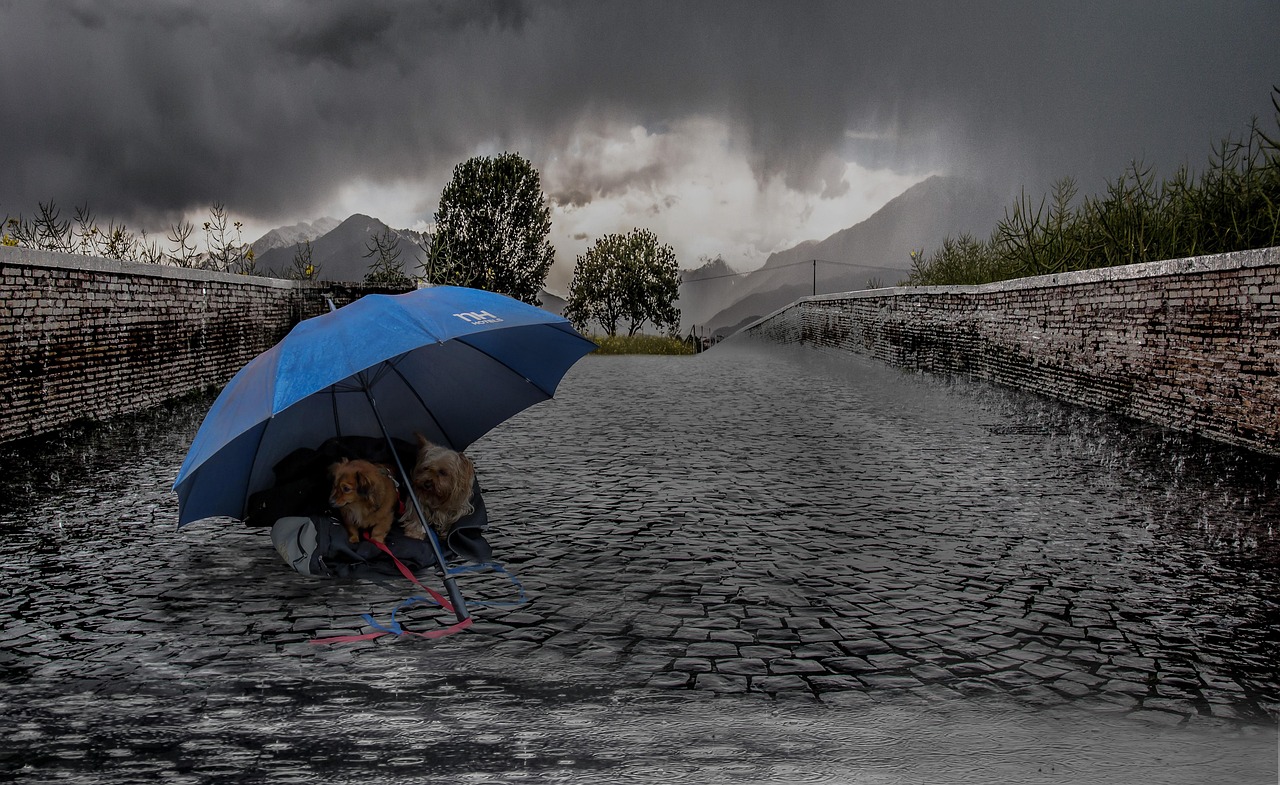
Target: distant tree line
{"points": [[1233, 205], [490, 232]]}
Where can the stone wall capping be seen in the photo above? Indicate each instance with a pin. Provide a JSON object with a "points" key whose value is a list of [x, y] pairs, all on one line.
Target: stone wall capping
{"points": [[31, 257], [90, 338], [1190, 344]]}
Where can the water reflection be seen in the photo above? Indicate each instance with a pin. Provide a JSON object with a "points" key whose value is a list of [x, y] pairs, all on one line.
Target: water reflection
{"points": [[747, 566]]}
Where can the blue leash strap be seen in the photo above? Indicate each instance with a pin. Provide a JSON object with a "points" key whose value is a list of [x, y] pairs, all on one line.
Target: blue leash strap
{"points": [[395, 628], [493, 566]]}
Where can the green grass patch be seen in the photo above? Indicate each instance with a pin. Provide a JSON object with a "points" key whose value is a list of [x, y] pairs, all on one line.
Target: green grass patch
{"points": [[641, 344]]}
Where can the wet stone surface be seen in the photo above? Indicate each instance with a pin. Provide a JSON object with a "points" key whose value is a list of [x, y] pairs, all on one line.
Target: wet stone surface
{"points": [[784, 536]]}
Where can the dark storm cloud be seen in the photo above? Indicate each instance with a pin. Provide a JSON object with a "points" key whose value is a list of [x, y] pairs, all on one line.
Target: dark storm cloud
{"points": [[144, 109]]}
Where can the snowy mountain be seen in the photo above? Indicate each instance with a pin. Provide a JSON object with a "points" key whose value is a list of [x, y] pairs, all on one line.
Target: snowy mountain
{"points": [[289, 236], [341, 253]]}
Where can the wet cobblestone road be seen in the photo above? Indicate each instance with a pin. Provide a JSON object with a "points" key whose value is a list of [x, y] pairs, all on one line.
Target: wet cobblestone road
{"points": [[753, 565]]}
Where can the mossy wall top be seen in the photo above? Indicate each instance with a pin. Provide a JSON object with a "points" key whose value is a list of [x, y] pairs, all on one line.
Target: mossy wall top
{"points": [[1190, 344]]}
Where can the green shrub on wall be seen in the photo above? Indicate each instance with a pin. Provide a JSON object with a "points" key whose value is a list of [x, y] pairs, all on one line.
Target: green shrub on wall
{"points": [[1234, 205]]}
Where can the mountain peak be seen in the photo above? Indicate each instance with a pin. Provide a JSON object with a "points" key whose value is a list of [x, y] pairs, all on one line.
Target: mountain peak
{"points": [[341, 253], [713, 267], [875, 252], [289, 236]]}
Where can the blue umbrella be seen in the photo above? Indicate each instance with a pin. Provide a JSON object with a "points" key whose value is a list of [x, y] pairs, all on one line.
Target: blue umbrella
{"points": [[448, 362]]}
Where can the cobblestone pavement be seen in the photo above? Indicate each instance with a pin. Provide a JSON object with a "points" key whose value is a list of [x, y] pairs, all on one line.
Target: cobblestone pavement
{"points": [[796, 563]]}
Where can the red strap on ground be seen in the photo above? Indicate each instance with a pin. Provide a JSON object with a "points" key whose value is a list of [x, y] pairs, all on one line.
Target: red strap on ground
{"points": [[407, 573]]}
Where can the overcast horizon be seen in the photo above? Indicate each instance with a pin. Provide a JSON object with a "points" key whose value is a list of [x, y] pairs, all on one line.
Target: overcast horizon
{"points": [[728, 128]]}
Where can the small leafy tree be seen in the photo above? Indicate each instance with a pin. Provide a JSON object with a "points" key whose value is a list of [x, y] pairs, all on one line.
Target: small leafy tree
{"points": [[594, 294], [304, 267], [491, 229], [625, 276], [386, 268]]}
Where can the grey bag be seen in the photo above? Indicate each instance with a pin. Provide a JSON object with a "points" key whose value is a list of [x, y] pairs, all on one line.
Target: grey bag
{"points": [[295, 541]]}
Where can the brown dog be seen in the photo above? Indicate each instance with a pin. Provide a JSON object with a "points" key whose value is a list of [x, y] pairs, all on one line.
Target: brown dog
{"points": [[442, 481], [366, 496]]}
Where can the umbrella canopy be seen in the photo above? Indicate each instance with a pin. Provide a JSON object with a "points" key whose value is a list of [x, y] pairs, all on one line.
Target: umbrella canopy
{"points": [[447, 362]]}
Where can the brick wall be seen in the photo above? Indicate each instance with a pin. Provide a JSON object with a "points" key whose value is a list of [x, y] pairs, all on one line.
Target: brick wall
{"points": [[1191, 344], [88, 338]]}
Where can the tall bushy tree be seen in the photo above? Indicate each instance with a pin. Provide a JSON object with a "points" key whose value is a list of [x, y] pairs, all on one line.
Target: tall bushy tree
{"points": [[628, 277], [491, 229]]}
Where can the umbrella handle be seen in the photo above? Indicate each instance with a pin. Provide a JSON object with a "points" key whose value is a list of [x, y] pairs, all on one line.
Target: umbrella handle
{"points": [[455, 595]]}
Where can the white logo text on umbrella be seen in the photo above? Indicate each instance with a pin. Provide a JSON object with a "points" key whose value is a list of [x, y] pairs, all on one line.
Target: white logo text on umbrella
{"points": [[478, 317]]}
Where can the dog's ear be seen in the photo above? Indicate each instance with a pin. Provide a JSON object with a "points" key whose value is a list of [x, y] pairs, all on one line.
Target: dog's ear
{"points": [[463, 472], [363, 485], [422, 440]]}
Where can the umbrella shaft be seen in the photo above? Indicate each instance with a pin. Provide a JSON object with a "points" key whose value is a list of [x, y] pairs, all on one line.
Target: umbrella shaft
{"points": [[450, 583]]}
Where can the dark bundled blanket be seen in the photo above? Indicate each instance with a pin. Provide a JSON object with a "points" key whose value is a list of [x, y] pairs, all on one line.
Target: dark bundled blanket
{"points": [[302, 477], [308, 535]]}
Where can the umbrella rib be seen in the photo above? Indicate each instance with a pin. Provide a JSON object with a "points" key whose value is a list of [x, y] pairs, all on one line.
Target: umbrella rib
{"points": [[504, 365], [333, 402], [253, 464], [425, 408]]}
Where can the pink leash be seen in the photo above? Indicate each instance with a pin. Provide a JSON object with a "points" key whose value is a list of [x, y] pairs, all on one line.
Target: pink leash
{"points": [[395, 628]]}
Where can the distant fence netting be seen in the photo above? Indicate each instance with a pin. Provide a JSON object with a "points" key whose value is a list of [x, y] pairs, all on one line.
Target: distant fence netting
{"points": [[90, 338], [1189, 344]]}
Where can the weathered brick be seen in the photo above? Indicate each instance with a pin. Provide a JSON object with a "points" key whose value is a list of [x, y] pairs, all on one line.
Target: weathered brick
{"points": [[92, 338], [1167, 342]]}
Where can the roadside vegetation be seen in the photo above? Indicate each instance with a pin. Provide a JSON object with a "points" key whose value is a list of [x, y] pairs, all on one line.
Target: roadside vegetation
{"points": [[641, 344], [1233, 205], [48, 230]]}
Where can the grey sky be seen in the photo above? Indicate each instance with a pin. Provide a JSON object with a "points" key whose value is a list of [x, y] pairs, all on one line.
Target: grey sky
{"points": [[288, 110]]}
